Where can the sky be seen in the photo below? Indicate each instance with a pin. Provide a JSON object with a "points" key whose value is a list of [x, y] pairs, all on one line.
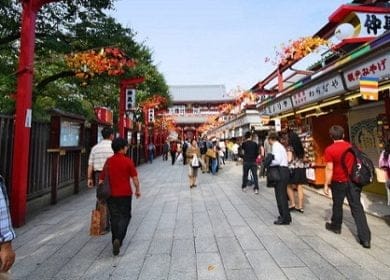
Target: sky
{"points": [[208, 42]]}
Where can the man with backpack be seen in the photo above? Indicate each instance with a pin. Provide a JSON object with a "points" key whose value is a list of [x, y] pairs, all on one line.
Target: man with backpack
{"points": [[340, 163]]}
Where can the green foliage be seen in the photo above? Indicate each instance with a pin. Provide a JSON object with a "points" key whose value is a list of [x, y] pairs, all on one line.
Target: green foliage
{"points": [[64, 27]]}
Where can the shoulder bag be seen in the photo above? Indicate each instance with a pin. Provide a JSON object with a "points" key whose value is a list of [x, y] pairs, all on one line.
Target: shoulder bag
{"points": [[104, 189]]}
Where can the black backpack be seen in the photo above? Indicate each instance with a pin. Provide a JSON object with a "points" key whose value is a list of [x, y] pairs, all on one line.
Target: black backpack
{"points": [[363, 169]]}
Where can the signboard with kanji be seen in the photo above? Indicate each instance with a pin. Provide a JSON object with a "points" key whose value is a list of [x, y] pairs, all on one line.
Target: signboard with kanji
{"points": [[378, 66], [322, 90]]}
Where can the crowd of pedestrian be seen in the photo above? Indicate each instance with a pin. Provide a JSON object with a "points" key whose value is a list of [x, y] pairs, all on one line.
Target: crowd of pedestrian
{"points": [[279, 157]]}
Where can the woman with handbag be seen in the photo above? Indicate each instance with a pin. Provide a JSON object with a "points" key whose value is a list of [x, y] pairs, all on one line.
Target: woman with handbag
{"points": [[120, 169], [194, 162], [295, 153]]}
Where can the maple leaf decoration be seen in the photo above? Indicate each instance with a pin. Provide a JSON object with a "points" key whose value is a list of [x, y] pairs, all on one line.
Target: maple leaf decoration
{"points": [[110, 61], [298, 49]]}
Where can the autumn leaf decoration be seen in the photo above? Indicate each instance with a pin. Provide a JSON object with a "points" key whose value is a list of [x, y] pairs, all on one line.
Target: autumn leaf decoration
{"points": [[298, 49], [110, 61], [155, 101]]}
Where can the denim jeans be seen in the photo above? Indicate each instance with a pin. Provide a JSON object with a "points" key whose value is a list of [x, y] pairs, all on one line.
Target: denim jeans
{"points": [[214, 165], [120, 215], [150, 156]]}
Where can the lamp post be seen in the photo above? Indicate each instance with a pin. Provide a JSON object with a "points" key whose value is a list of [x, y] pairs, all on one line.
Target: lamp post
{"points": [[21, 146]]}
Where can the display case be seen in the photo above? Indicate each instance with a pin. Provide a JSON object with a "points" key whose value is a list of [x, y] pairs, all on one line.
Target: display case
{"points": [[66, 131], [315, 167], [66, 137]]}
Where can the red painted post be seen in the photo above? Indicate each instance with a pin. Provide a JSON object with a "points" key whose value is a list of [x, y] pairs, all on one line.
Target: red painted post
{"points": [[21, 146]]}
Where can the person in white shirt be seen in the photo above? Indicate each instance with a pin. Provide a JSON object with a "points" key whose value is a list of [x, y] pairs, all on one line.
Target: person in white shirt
{"points": [[235, 151], [280, 161], [97, 158]]}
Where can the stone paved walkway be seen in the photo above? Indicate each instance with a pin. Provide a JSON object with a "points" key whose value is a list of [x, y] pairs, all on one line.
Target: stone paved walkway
{"points": [[214, 231]]}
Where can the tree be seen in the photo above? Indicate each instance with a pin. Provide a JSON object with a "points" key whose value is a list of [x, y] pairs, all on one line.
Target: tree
{"points": [[64, 28]]}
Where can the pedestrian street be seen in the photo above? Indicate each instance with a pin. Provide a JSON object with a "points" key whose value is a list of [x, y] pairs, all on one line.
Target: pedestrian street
{"points": [[214, 231]]}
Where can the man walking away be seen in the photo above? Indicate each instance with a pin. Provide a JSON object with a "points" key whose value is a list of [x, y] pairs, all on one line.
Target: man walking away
{"points": [[342, 187], [121, 170], [251, 151], [98, 156]]}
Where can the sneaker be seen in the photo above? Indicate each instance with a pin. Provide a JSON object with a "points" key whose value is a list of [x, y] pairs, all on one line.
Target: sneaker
{"points": [[332, 228], [116, 247], [256, 191]]}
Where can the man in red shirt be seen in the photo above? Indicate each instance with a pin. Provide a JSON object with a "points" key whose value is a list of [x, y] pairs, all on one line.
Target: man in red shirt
{"points": [[120, 170], [341, 186]]}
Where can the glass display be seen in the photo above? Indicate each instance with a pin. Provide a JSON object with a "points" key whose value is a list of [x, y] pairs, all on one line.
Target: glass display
{"points": [[70, 134]]}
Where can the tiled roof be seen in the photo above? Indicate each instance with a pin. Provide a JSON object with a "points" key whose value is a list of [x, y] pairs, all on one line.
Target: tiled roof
{"points": [[198, 93]]}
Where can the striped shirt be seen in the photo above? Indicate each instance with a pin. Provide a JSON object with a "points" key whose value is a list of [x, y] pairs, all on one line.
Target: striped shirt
{"points": [[99, 153], [7, 233]]}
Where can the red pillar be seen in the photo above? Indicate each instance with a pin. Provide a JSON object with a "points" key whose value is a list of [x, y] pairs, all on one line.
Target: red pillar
{"points": [[21, 146]]}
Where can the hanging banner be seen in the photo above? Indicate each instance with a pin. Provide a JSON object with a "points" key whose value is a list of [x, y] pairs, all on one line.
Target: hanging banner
{"points": [[369, 87]]}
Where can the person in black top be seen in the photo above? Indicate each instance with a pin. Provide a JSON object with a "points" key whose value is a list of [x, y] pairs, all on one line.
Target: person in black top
{"points": [[250, 151]]}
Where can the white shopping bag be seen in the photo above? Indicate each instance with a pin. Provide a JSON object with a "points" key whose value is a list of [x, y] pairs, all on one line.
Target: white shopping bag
{"points": [[179, 157], [195, 161]]}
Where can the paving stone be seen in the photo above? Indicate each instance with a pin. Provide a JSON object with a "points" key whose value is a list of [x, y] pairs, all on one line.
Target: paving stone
{"points": [[202, 224], [183, 262], [299, 273], [205, 244], [247, 238], [265, 266], [241, 274], [161, 246], [356, 272], [155, 267], [131, 261], [214, 231], [280, 251], [327, 251], [80, 263], [209, 267], [318, 265], [233, 256]]}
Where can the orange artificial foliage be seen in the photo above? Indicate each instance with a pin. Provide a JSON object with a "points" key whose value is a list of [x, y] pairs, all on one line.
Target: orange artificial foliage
{"points": [[155, 101], [111, 61], [165, 123], [248, 96], [298, 49], [225, 108]]}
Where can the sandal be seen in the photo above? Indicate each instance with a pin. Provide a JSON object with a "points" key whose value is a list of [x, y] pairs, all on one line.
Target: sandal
{"points": [[292, 208], [300, 210]]}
